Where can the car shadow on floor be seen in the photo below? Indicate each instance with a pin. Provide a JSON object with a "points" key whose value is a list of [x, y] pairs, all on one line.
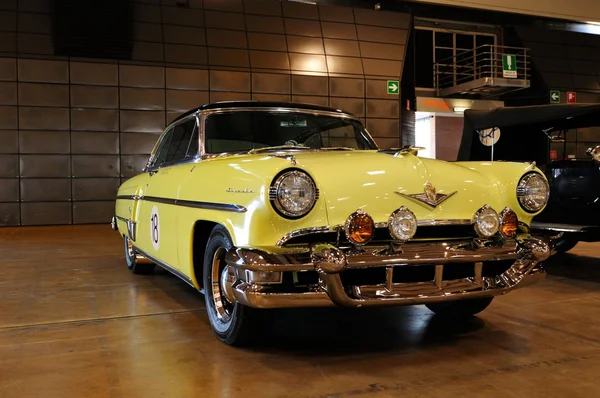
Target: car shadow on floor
{"points": [[335, 331], [339, 332]]}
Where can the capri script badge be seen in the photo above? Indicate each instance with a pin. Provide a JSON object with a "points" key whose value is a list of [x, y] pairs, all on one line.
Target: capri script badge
{"points": [[429, 197]]}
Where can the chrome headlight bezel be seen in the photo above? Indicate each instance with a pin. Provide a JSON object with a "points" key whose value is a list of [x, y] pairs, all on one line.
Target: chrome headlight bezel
{"points": [[275, 193], [522, 195]]}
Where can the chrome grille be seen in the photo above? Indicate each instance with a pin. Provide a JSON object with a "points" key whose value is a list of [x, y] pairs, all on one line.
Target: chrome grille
{"points": [[382, 235]]}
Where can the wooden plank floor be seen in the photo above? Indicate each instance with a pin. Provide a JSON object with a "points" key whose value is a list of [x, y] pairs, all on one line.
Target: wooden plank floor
{"points": [[75, 323]]}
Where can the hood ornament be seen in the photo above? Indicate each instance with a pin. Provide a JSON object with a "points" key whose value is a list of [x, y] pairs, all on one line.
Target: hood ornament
{"points": [[429, 197]]}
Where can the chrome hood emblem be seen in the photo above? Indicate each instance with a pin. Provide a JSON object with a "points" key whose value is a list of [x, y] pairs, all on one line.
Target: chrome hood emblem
{"points": [[429, 197]]}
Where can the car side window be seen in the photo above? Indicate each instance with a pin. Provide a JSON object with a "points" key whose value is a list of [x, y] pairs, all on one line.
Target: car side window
{"points": [[162, 150], [178, 143], [194, 144]]}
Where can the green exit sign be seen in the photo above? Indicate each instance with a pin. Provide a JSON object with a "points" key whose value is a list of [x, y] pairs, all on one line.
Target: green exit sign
{"points": [[393, 87], [509, 66]]}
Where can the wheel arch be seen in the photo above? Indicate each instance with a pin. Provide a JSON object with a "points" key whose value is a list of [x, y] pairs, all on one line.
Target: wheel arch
{"points": [[200, 234]]}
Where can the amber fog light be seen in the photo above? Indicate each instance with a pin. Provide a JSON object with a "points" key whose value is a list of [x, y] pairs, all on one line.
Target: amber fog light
{"points": [[509, 223], [359, 228]]}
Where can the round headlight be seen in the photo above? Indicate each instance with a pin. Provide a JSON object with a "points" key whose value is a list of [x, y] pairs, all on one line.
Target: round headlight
{"points": [[293, 194], [487, 222], [359, 227], [402, 224], [533, 192]]}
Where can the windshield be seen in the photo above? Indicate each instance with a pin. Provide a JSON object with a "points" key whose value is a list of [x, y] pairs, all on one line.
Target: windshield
{"points": [[238, 131]]}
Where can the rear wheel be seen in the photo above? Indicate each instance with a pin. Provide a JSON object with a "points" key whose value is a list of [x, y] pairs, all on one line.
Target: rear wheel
{"points": [[232, 322], [132, 264], [460, 308]]}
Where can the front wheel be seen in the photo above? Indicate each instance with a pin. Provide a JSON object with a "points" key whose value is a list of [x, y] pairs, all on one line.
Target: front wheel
{"points": [[460, 308], [232, 322]]}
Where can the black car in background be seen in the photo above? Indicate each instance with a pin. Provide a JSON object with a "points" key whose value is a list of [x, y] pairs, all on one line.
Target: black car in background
{"points": [[564, 141]]}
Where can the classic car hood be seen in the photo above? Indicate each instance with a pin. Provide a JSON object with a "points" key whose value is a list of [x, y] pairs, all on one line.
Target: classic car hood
{"points": [[375, 182]]}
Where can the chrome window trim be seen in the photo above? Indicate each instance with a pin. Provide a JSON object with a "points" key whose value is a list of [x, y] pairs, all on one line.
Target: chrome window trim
{"points": [[202, 115], [160, 140]]}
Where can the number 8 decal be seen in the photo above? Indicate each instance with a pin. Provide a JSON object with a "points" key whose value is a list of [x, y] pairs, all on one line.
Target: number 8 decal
{"points": [[155, 228]]}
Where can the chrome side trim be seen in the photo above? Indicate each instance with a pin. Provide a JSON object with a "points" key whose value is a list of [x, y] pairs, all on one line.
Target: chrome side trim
{"points": [[131, 229], [189, 203], [302, 232], [129, 223], [121, 218], [167, 267], [129, 197]]}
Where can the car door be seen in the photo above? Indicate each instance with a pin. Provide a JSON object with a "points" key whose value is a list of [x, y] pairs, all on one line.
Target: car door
{"points": [[157, 229]]}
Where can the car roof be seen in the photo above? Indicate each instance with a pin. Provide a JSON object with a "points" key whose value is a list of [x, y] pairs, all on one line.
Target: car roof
{"points": [[259, 104]]}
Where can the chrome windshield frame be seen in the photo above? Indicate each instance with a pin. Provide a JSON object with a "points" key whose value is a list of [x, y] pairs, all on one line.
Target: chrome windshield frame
{"points": [[204, 114]]}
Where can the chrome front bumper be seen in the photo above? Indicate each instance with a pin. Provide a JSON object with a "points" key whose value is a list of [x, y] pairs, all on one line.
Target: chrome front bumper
{"points": [[526, 255]]}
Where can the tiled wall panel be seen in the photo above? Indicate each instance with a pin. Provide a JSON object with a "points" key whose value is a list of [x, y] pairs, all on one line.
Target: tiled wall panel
{"points": [[72, 130]]}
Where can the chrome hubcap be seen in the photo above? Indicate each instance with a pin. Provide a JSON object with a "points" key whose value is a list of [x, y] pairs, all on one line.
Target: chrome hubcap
{"points": [[222, 290], [227, 280], [130, 250]]}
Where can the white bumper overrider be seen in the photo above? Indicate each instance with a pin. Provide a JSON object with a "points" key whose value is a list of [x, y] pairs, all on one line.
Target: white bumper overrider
{"points": [[254, 287]]}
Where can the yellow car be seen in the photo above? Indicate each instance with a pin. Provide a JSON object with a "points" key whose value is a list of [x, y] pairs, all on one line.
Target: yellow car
{"points": [[267, 205]]}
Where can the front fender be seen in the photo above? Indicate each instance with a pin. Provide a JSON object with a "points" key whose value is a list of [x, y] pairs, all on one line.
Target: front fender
{"points": [[245, 185], [507, 176]]}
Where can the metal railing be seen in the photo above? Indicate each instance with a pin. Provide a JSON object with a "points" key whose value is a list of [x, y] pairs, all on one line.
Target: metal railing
{"points": [[486, 61]]}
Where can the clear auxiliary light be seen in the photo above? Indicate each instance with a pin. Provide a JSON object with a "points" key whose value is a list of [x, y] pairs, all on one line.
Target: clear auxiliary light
{"points": [[487, 222], [402, 224]]}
